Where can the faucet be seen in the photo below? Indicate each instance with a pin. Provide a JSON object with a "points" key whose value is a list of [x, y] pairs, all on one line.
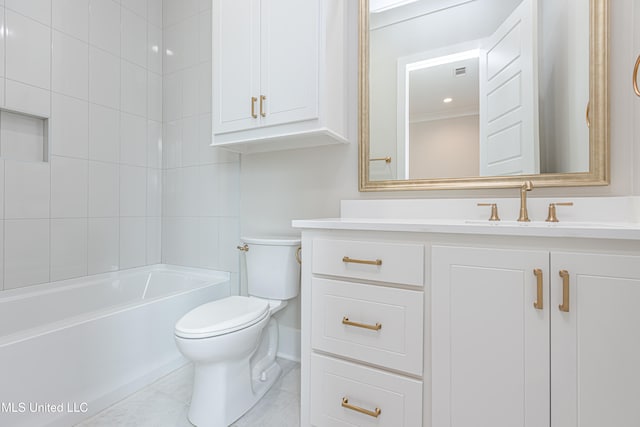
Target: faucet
{"points": [[524, 215]]}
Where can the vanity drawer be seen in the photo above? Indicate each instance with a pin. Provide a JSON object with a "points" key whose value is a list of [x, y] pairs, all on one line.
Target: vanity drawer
{"points": [[385, 262], [387, 328], [398, 399]]}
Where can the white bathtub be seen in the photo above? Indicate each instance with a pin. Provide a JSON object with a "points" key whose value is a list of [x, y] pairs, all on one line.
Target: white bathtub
{"points": [[69, 349]]}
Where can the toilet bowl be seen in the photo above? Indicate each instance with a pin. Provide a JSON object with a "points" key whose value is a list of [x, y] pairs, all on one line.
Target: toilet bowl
{"points": [[233, 342]]}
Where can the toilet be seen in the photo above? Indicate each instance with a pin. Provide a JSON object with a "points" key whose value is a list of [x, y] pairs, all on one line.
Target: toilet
{"points": [[233, 342]]}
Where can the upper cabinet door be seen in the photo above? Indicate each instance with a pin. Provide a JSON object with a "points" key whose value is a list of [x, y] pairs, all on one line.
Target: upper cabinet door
{"points": [[595, 342], [236, 64], [490, 345], [290, 43]]}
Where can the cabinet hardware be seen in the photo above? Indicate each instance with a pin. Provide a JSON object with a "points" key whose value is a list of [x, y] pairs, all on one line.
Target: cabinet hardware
{"points": [[636, 89], [564, 307], [494, 211], [262, 99], [588, 115], [538, 303], [375, 413], [244, 248], [346, 321], [381, 159], [253, 107], [346, 259], [552, 217]]}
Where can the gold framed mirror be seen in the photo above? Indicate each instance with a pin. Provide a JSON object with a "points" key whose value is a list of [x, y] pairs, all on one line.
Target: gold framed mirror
{"points": [[580, 114]]}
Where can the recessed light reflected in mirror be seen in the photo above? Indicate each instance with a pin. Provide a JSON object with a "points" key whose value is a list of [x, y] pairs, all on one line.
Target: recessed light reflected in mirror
{"points": [[447, 100]]}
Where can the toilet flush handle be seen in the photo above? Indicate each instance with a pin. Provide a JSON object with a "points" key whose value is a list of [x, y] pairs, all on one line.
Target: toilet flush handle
{"points": [[244, 248], [298, 255]]}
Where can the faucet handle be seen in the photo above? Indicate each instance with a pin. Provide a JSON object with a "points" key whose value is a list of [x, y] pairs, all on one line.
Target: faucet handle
{"points": [[552, 217], [494, 211]]}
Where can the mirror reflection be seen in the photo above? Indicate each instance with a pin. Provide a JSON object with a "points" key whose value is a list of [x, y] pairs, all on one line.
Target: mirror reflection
{"points": [[478, 88]]}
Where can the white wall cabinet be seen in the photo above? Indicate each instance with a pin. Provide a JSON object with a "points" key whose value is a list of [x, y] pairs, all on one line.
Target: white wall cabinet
{"points": [[279, 74], [499, 360]]}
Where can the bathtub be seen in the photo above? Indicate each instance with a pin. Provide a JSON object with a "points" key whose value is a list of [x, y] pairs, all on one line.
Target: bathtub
{"points": [[70, 349]]}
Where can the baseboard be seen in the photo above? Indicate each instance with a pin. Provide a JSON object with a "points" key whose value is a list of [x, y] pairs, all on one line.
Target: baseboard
{"points": [[289, 343]]}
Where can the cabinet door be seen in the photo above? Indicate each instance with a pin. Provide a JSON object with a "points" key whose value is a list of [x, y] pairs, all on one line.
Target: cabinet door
{"points": [[490, 345], [595, 358], [289, 60], [236, 64]]}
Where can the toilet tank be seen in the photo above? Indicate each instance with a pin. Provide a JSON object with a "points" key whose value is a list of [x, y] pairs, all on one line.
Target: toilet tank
{"points": [[272, 269]]}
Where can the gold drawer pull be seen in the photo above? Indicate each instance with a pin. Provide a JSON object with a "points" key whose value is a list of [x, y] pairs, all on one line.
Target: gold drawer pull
{"points": [[375, 413], [565, 291], [360, 261], [538, 303], [346, 321], [262, 99], [253, 107]]}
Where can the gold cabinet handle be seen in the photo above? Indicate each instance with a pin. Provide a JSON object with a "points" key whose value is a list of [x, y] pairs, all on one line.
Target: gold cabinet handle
{"points": [[636, 89], [253, 107], [262, 99], [538, 303], [381, 159], [375, 413], [346, 259], [346, 321], [564, 307]]}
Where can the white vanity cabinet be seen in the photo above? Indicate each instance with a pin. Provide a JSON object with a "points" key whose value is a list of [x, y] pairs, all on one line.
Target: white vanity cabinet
{"points": [[534, 338], [279, 73], [364, 336]]}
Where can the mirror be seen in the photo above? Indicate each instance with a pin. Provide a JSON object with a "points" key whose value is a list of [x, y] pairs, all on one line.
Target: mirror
{"points": [[483, 93]]}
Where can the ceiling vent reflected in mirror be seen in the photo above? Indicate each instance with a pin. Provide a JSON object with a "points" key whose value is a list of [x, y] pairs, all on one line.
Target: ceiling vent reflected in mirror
{"points": [[460, 71]]}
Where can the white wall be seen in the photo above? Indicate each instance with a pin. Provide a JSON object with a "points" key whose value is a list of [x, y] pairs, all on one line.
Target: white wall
{"points": [[201, 185], [94, 205]]}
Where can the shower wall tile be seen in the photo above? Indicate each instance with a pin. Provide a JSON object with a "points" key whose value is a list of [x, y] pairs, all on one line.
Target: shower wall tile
{"points": [[104, 133], [104, 78], [200, 198], [26, 258], [70, 66], [91, 201], [133, 140], [26, 189], [39, 10], [25, 98], [133, 242], [69, 127], [68, 248], [69, 179], [134, 37], [103, 245], [104, 190], [28, 46], [71, 17], [104, 18], [133, 191]]}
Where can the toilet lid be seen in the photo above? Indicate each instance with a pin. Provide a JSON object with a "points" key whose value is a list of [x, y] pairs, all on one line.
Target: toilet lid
{"points": [[221, 317]]}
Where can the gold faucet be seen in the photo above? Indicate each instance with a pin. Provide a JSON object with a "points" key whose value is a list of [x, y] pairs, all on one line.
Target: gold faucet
{"points": [[524, 215]]}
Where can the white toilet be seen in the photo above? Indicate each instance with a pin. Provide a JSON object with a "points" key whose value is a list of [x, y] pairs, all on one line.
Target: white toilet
{"points": [[233, 342]]}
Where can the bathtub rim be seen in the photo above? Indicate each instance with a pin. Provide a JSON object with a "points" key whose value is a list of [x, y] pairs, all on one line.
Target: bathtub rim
{"points": [[210, 277]]}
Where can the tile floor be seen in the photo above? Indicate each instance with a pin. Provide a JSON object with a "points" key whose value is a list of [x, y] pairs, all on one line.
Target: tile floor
{"points": [[165, 403]]}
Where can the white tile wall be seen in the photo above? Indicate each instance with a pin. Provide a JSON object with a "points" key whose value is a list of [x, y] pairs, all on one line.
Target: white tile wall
{"points": [[94, 67], [200, 201]]}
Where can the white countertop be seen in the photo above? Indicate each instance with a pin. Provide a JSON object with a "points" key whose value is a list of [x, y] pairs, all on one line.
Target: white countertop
{"points": [[501, 228], [611, 218]]}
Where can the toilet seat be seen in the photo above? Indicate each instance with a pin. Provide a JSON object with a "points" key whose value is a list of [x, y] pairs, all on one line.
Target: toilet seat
{"points": [[222, 317]]}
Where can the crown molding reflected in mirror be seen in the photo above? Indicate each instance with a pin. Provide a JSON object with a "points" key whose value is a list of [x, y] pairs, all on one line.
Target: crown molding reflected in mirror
{"points": [[597, 116]]}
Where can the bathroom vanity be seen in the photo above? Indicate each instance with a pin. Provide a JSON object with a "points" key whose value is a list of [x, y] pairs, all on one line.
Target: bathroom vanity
{"points": [[468, 322]]}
